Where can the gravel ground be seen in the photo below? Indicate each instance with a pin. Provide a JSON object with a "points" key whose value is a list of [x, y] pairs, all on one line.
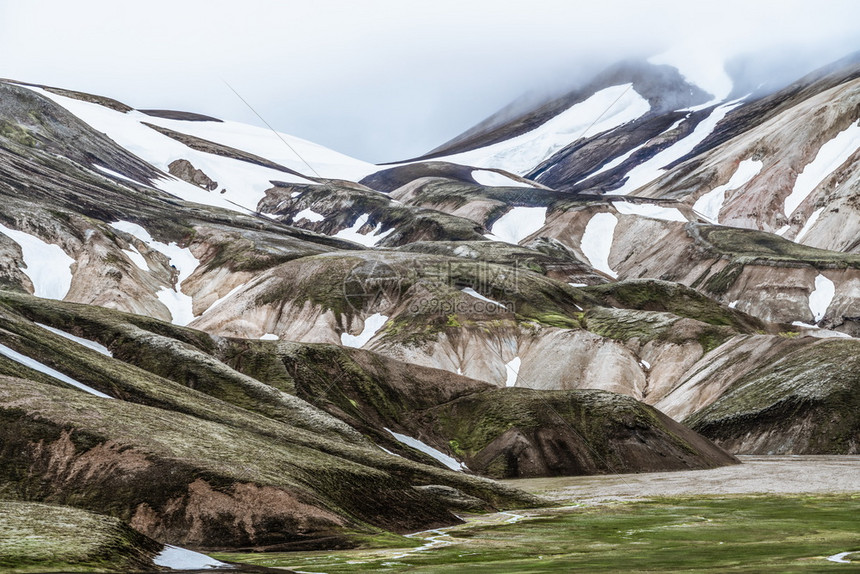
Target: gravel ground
{"points": [[757, 474]]}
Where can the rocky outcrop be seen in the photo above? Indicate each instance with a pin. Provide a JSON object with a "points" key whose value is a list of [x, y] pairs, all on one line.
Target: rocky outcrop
{"points": [[513, 433], [183, 169]]}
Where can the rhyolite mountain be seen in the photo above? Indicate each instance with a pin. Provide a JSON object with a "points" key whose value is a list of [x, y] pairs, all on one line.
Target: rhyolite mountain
{"points": [[212, 339]]}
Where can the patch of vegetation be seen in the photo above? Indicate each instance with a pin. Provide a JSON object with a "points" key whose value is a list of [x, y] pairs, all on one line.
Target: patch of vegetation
{"points": [[704, 534], [16, 133], [45, 538], [758, 247], [720, 282], [624, 324], [665, 296]]}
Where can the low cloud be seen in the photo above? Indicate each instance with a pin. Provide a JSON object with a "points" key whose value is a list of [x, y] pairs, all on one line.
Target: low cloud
{"points": [[384, 80]]}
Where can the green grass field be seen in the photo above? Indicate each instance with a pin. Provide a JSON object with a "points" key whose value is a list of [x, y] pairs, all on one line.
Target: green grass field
{"points": [[714, 534]]}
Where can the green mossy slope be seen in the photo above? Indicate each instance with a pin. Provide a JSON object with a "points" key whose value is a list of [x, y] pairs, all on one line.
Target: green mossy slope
{"points": [[806, 403], [47, 538]]}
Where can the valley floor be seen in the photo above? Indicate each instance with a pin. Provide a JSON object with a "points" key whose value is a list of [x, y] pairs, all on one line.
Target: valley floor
{"points": [[772, 513], [757, 475]]}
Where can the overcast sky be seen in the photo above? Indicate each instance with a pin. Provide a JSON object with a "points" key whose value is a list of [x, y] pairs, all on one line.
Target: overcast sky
{"points": [[388, 79]]}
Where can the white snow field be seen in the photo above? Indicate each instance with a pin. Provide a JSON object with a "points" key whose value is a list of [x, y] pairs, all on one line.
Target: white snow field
{"points": [[178, 303], [371, 326], [517, 224], [245, 183], [649, 210], [278, 147], [649, 170], [512, 371], [495, 179], [369, 239], [47, 265], [181, 559], [711, 203], [37, 366], [80, 340], [310, 215], [448, 461], [821, 297], [829, 157], [596, 241], [604, 110]]}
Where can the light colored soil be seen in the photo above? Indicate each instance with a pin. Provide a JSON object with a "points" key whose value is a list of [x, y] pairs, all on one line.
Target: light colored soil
{"points": [[757, 474]]}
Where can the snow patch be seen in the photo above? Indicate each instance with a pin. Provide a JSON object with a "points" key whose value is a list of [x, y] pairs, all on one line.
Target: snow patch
{"points": [[465, 251], [181, 559], [80, 340], [448, 461], [220, 300], [596, 242], [648, 171], [476, 295], [612, 164], [368, 240], [388, 451], [37, 366], [604, 110], [512, 371], [371, 326], [829, 157], [517, 224], [734, 304], [649, 210], [821, 296], [495, 179], [118, 175], [135, 257], [269, 337], [47, 265], [310, 215], [813, 217], [710, 204], [178, 303], [840, 558]]}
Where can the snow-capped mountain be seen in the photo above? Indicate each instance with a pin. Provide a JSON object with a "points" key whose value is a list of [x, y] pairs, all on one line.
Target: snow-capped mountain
{"points": [[226, 336]]}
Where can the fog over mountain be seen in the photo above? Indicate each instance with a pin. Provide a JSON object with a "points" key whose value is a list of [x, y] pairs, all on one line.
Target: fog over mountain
{"points": [[384, 80]]}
